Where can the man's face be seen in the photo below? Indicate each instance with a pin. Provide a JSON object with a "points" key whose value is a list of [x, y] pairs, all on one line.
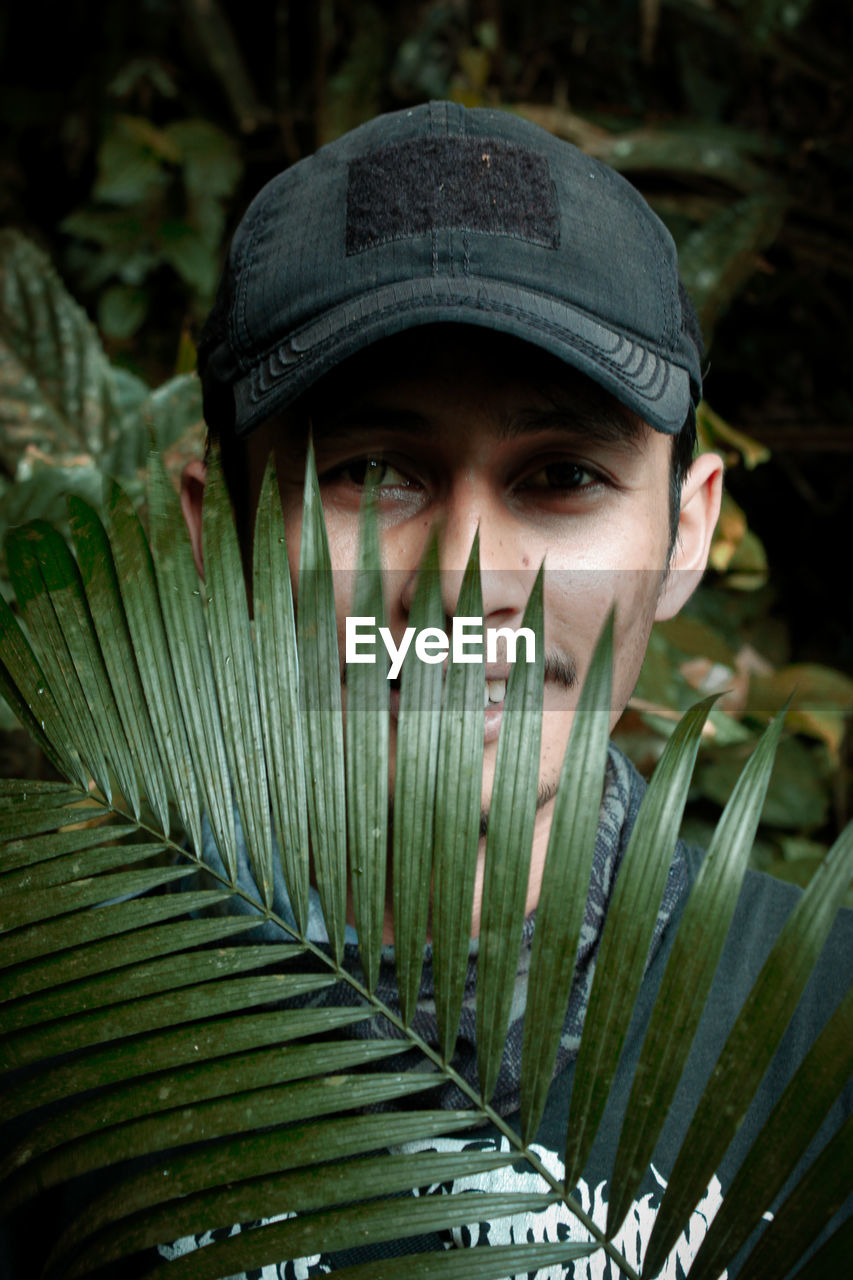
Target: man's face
{"points": [[465, 431]]}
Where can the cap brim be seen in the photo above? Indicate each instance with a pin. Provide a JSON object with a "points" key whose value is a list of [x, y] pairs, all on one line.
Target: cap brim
{"points": [[640, 378]]}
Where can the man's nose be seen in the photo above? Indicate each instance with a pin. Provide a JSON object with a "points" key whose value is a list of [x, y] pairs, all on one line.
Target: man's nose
{"points": [[507, 570]]}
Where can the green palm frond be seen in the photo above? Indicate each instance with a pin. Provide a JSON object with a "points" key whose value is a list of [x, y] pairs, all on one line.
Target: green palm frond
{"points": [[178, 1076]]}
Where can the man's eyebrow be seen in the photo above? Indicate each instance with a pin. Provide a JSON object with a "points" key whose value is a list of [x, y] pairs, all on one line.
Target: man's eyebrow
{"points": [[368, 417], [601, 424]]}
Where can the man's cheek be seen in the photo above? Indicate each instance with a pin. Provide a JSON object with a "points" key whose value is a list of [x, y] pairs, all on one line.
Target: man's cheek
{"points": [[578, 603], [634, 620]]}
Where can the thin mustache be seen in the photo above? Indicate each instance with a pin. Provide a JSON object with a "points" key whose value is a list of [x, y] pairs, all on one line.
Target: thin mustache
{"points": [[561, 669]]}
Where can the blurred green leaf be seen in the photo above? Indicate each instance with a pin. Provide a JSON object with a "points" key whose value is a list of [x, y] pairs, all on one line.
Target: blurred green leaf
{"points": [[68, 418], [355, 89], [766, 18], [159, 199], [690, 636], [718, 257], [188, 252], [121, 310], [208, 157], [811, 687], [488, 35], [118, 229], [128, 391], [142, 71], [173, 409], [696, 150], [821, 701], [143, 133], [129, 172], [55, 380], [663, 691], [796, 799], [42, 495], [715, 431]]}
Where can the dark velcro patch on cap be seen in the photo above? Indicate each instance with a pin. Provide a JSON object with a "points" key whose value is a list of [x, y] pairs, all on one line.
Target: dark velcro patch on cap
{"points": [[474, 184]]}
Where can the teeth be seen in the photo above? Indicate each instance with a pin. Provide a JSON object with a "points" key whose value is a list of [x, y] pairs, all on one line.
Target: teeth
{"points": [[495, 691]]}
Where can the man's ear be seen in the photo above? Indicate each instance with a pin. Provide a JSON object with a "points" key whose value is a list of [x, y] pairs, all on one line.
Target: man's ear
{"points": [[701, 493], [193, 480]]}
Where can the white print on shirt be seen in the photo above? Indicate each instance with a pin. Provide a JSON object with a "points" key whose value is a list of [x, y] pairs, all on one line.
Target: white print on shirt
{"points": [[552, 1225], [557, 1223], [299, 1269]]}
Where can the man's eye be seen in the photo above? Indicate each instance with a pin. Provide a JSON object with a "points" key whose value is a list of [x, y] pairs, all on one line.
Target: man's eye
{"points": [[375, 471], [560, 475]]}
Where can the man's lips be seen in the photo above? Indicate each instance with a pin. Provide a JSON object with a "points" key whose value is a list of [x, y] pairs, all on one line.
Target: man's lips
{"points": [[492, 713], [559, 673], [494, 695], [492, 717]]}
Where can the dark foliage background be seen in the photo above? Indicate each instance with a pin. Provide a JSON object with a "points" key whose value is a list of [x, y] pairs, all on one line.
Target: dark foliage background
{"points": [[134, 135]]}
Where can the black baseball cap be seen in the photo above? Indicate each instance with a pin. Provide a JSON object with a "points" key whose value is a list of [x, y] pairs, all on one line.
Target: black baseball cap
{"points": [[438, 214]]}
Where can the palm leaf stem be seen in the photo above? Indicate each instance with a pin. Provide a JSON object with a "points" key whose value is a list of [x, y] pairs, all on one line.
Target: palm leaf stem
{"points": [[408, 1035], [486, 1112]]}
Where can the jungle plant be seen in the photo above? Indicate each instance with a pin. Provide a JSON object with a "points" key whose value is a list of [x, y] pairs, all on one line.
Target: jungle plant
{"points": [[179, 1079], [159, 201], [69, 417]]}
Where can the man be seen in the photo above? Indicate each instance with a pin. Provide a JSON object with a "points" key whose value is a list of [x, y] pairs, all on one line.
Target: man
{"points": [[492, 324], [443, 316]]}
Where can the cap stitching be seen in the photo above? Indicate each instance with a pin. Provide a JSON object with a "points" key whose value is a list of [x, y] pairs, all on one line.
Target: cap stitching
{"points": [[394, 238], [543, 325], [487, 304]]}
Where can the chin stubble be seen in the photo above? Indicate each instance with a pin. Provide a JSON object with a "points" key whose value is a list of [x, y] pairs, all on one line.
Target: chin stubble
{"points": [[561, 670], [546, 792]]}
